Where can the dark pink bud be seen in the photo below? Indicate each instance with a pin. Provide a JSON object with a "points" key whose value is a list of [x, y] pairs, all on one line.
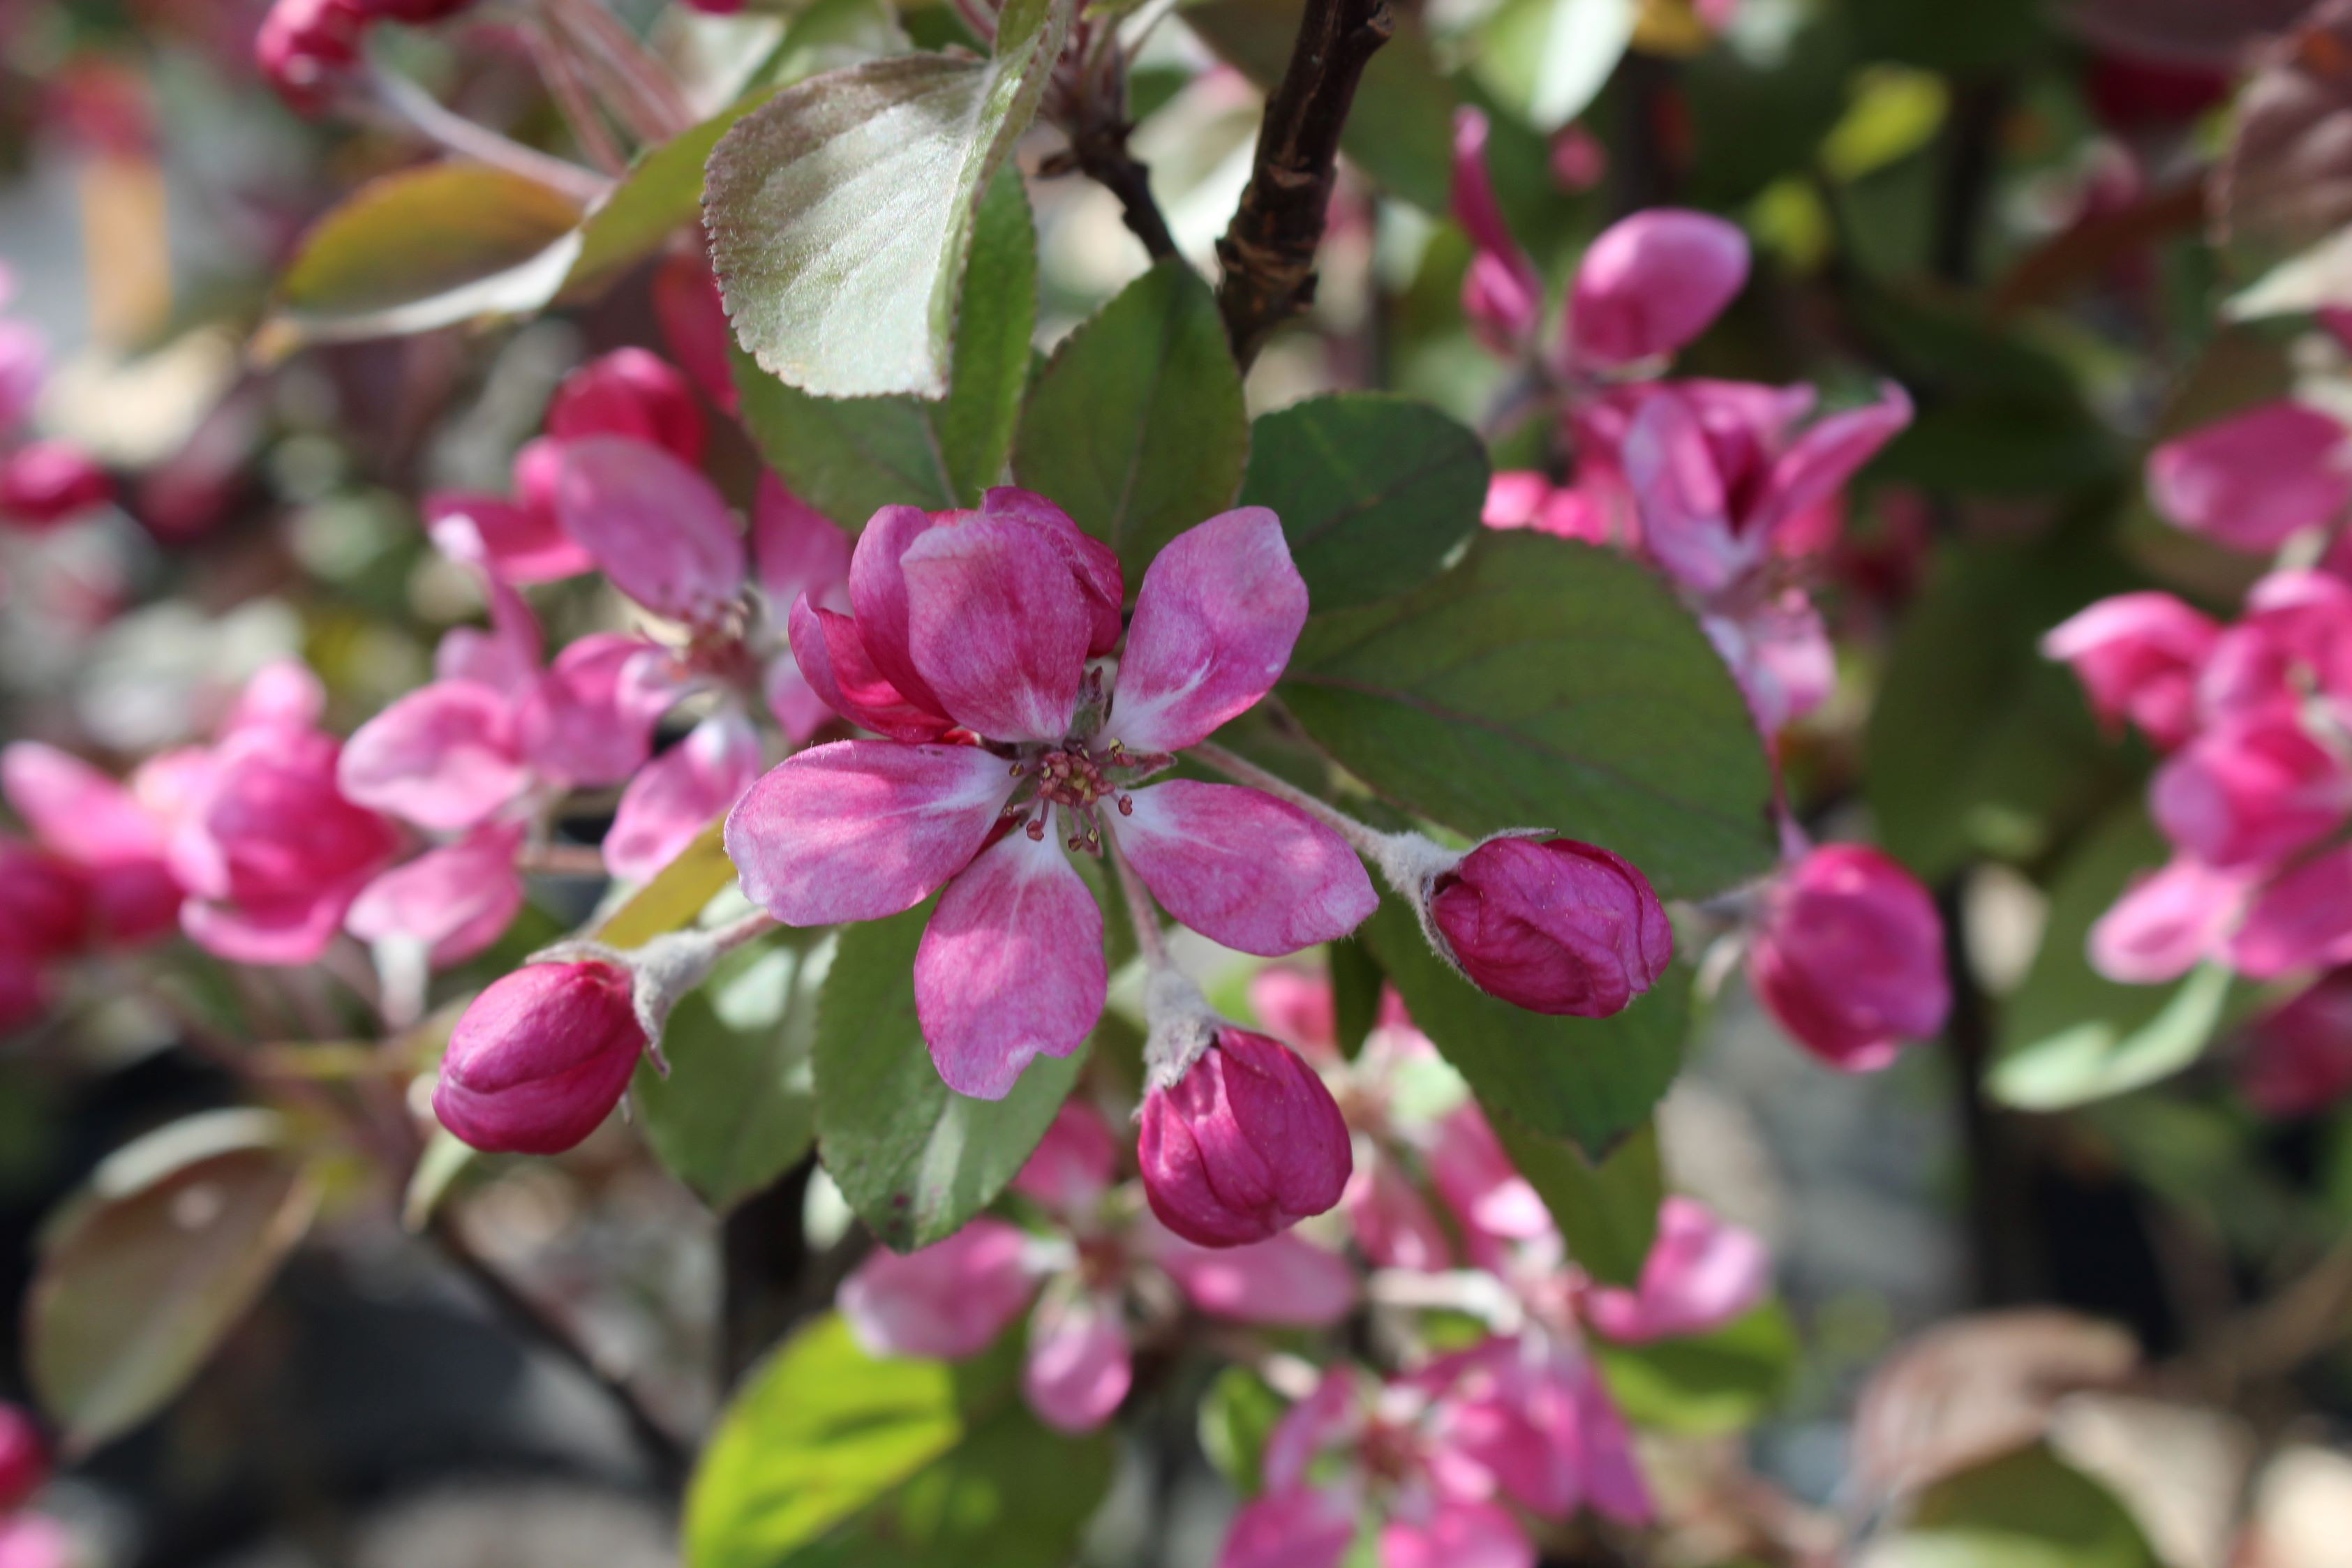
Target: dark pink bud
{"points": [[23, 1458], [1848, 956], [49, 482], [630, 393], [306, 48], [44, 902], [1552, 926], [1243, 1145], [540, 1058]]}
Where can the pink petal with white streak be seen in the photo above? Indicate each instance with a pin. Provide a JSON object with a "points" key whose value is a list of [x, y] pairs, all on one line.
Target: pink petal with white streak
{"points": [[1242, 868], [1079, 1366], [862, 829], [1011, 967], [657, 527], [679, 793], [444, 756], [1215, 620], [997, 627]]}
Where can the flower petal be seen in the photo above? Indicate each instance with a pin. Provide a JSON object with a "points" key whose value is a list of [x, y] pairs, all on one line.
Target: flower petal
{"points": [[2303, 919], [515, 543], [1819, 463], [279, 932], [946, 1302], [1243, 868], [1651, 283], [1292, 1530], [1073, 1164], [797, 549], [677, 795], [1215, 620], [1286, 1280], [2166, 924], [834, 658], [1686, 521], [997, 626], [444, 756], [1011, 967], [455, 900], [877, 592], [2254, 479], [1080, 1365], [1701, 1273], [590, 719], [1458, 1535], [1093, 563], [862, 829], [657, 527], [76, 810]]}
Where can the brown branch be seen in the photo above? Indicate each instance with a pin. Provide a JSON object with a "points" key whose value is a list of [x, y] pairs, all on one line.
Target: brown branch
{"points": [[1102, 156], [1268, 252]]}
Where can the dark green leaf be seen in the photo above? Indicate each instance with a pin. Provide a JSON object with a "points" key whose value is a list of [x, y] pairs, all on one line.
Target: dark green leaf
{"points": [[1984, 36], [849, 457], [1550, 684], [1977, 742], [738, 1107], [1589, 1079], [841, 212], [1356, 982], [914, 1159], [1136, 428], [1374, 492], [829, 1458], [2025, 1510], [146, 1270], [427, 247], [1606, 1211], [1705, 1384], [2069, 1035], [1401, 131], [661, 194]]}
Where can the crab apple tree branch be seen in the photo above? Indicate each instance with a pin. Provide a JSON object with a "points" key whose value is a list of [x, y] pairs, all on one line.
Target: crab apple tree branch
{"points": [[1268, 250]]}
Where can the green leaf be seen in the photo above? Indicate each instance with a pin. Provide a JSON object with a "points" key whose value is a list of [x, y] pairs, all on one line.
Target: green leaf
{"points": [[831, 1458], [841, 212], [1986, 36], [738, 1107], [850, 457], [2025, 1510], [1978, 744], [1356, 982], [677, 895], [1545, 59], [1402, 130], [1547, 683], [1589, 1080], [914, 1159], [1238, 1413], [423, 248], [1705, 1384], [1375, 493], [661, 194], [1135, 427], [1606, 1211], [150, 1265], [2069, 1035]]}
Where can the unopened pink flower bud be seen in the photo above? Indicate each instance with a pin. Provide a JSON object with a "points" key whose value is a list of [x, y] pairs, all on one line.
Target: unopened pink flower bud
{"points": [[1849, 956], [23, 1458], [630, 393], [1245, 1144], [540, 1058], [49, 482], [307, 48], [1552, 925]]}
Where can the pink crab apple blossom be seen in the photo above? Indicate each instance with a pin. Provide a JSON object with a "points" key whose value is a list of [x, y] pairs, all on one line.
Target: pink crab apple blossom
{"points": [[1848, 955], [540, 1058], [1552, 925], [1245, 1144], [2139, 656], [1097, 1266], [37, 1540], [2255, 479], [971, 648], [115, 841]]}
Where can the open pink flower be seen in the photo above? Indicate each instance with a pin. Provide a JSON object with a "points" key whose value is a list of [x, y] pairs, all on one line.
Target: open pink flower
{"points": [[2251, 791], [970, 648], [951, 1300], [1701, 1273], [2138, 655], [2255, 479], [103, 829]]}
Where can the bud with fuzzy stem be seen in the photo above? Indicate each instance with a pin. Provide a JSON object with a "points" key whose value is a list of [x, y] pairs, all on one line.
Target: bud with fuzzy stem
{"points": [[23, 1458], [1547, 923], [1239, 1139]]}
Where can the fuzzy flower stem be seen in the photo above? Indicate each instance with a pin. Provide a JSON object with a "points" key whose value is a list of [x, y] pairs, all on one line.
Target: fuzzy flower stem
{"points": [[1409, 861]]}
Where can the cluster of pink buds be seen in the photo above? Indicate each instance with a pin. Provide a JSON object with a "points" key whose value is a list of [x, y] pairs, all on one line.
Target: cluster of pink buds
{"points": [[1730, 490], [27, 1539], [2254, 718], [43, 481]]}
